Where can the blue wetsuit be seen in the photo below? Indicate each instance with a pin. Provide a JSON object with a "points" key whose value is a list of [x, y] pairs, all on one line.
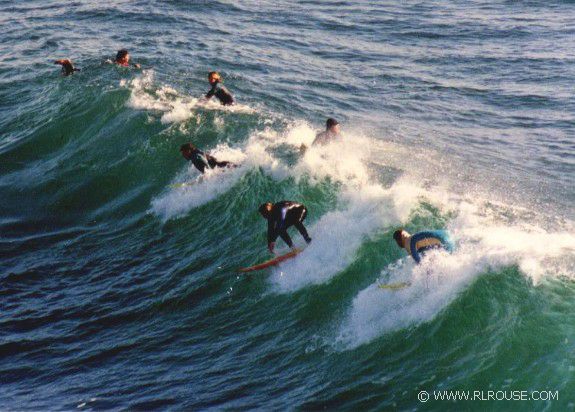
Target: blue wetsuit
{"points": [[421, 242]]}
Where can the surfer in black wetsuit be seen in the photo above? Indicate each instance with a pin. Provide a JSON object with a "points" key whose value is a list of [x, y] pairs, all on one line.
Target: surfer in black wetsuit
{"points": [[280, 216], [200, 159], [221, 93], [123, 59], [67, 67]]}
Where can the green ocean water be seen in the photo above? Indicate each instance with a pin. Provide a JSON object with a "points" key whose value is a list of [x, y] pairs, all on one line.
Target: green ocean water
{"points": [[119, 285]]}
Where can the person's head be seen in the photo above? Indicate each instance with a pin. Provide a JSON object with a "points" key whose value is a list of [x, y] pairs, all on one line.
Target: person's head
{"points": [[122, 57], [400, 236], [214, 77], [332, 126], [265, 209], [187, 150]]}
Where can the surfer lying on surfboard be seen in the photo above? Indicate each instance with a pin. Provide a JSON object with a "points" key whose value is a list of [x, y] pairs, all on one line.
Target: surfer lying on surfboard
{"points": [[200, 159], [419, 243], [280, 216], [67, 67]]}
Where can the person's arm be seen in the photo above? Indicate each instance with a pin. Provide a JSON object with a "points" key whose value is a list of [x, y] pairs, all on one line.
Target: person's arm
{"points": [[319, 139], [200, 163], [412, 247], [212, 91]]}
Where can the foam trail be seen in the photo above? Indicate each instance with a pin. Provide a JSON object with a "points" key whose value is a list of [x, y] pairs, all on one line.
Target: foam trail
{"points": [[364, 209], [482, 246], [192, 189], [145, 95], [200, 189], [338, 235]]}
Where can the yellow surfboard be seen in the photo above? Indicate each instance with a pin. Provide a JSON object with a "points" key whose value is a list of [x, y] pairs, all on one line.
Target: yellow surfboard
{"points": [[395, 286]]}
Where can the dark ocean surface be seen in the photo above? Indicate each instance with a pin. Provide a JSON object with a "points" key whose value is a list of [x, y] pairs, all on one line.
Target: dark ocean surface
{"points": [[118, 283]]}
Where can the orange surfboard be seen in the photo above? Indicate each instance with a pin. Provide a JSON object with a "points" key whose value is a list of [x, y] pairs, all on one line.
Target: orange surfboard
{"points": [[272, 262]]}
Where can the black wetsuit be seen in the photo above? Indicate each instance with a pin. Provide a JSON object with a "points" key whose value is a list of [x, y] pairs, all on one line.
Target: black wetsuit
{"points": [[68, 69], [202, 160], [222, 94], [283, 215]]}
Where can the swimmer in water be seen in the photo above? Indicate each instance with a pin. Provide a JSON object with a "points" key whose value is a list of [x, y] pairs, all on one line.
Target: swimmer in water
{"points": [[280, 217], [329, 135], [67, 67], [221, 93], [200, 159], [123, 59], [419, 243]]}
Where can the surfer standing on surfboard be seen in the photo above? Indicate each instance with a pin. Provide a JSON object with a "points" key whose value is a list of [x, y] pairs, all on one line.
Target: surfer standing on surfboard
{"points": [[200, 159], [280, 216], [419, 243]]}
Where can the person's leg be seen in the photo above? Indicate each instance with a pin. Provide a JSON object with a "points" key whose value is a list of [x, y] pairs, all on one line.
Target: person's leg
{"points": [[286, 238], [225, 163]]}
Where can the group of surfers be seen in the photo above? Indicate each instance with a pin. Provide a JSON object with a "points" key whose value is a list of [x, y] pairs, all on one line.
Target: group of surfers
{"points": [[282, 215]]}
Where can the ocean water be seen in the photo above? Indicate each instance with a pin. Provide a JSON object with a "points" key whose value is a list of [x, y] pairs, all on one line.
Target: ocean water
{"points": [[119, 287]]}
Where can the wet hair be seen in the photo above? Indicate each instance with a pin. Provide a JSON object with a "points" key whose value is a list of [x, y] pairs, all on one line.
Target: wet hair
{"points": [[263, 209], [398, 238], [330, 123], [121, 54], [188, 146], [216, 74]]}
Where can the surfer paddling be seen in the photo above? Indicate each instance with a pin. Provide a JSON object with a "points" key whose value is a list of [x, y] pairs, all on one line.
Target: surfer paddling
{"points": [[329, 135], [67, 67], [221, 93], [280, 217], [200, 159], [123, 59], [419, 243]]}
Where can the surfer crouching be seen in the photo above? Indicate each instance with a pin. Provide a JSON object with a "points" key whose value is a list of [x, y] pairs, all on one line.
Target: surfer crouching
{"points": [[200, 159], [280, 217], [419, 243]]}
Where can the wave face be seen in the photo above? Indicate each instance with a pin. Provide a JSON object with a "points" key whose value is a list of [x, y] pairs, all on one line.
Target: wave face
{"points": [[118, 260]]}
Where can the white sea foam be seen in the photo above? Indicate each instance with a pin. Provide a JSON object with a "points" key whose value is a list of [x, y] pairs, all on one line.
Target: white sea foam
{"points": [[364, 208], [191, 189], [484, 244], [175, 107]]}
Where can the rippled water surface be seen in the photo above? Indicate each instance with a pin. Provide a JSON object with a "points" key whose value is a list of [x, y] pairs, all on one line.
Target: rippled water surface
{"points": [[118, 283]]}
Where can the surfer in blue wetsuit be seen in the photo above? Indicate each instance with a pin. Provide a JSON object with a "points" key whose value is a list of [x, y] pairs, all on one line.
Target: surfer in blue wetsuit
{"points": [[280, 217], [200, 159], [419, 243], [221, 93]]}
